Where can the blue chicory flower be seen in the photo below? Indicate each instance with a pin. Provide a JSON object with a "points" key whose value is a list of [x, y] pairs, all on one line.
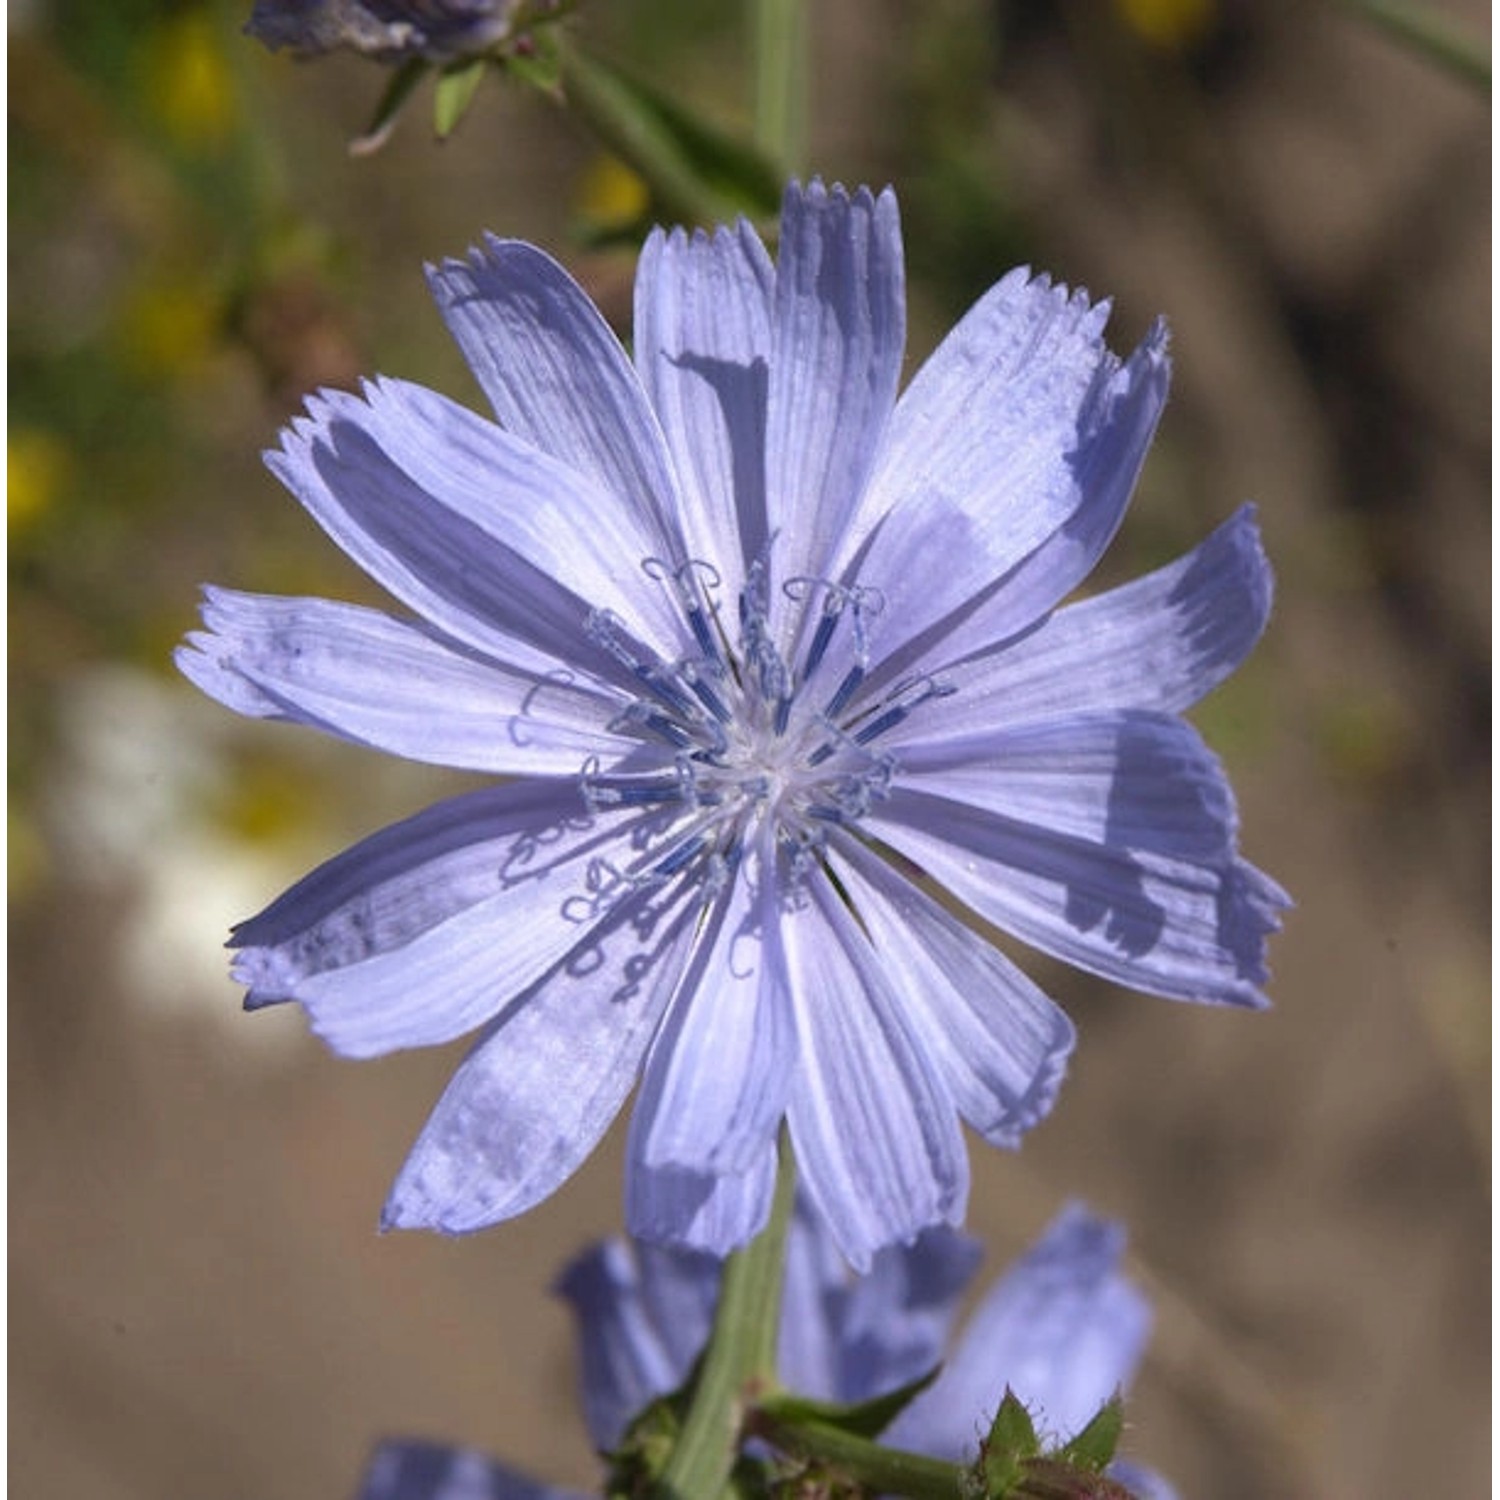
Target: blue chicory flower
{"points": [[764, 653], [1064, 1328], [412, 1470], [439, 31]]}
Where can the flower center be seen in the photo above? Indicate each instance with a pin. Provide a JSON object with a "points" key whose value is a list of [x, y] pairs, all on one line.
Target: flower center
{"points": [[748, 737]]}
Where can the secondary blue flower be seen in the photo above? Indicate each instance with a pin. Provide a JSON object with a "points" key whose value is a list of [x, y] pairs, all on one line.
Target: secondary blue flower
{"points": [[767, 653], [1064, 1328], [414, 1470], [392, 30]]}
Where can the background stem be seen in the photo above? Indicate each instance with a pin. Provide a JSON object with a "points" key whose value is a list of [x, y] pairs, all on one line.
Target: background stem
{"points": [[780, 64]]}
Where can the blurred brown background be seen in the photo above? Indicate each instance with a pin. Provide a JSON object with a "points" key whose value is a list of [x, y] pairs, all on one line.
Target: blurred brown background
{"points": [[199, 1303]]}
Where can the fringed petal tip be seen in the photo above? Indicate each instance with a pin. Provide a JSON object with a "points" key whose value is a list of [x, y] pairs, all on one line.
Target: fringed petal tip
{"points": [[492, 256], [1236, 551], [320, 409], [1250, 911], [817, 195], [1024, 1114], [266, 983]]}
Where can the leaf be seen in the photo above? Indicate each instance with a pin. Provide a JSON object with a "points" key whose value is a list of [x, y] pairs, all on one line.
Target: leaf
{"points": [[538, 63], [734, 168], [866, 1419], [1012, 1431], [1095, 1446], [696, 172], [1009, 1445], [454, 94], [392, 102]]}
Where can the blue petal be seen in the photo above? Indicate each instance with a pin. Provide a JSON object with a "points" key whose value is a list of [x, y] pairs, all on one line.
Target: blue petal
{"points": [[557, 377], [563, 521], [407, 1470], [1123, 778], [1063, 1328], [1118, 429], [716, 1083], [1009, 464], [1159, 642], [1000, 1044], [642, 1315], [713, 1211], [815, 1286], [429, 934], [837, 345], [895, 1322], [533, 1098], [845, 1338], [876, 1134], [391, 887], [1143, 1483], [450, 556], [703, 349], [1171, 927], [398, 687], [680, 1289]]}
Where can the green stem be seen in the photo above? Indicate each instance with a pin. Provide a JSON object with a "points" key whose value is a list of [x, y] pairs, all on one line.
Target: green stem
{"points": [[882, 1471], [739, 1363], [780, 66], [606, 107], [1434, 36]]}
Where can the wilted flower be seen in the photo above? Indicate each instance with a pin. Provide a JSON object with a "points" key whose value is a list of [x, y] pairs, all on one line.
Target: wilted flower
{"points": [[438, 31], [1063, 1328], [771, 653]]}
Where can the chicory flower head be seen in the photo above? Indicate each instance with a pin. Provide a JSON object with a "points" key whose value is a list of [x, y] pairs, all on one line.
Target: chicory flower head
{"points": [[440, 31], [765, 653], [1063, 1328]]}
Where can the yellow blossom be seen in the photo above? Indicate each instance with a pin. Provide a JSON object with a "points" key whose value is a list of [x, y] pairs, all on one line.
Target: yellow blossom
{"points": [[36, 464]]}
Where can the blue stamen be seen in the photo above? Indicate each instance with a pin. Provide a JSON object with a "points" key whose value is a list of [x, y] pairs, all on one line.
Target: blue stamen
{"points": [[706, 694], [619, 793], [703, 633], [682, 855], [827, 624], [888, 720], [669, 729], [845, 690]]}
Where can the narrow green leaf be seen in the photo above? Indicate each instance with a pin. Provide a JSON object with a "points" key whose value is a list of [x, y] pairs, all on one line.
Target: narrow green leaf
{"points": [[697, 174], [454, 94], [1431, 35], [880, 1471], [734, 168], [392, 102], [862, 1418]]}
